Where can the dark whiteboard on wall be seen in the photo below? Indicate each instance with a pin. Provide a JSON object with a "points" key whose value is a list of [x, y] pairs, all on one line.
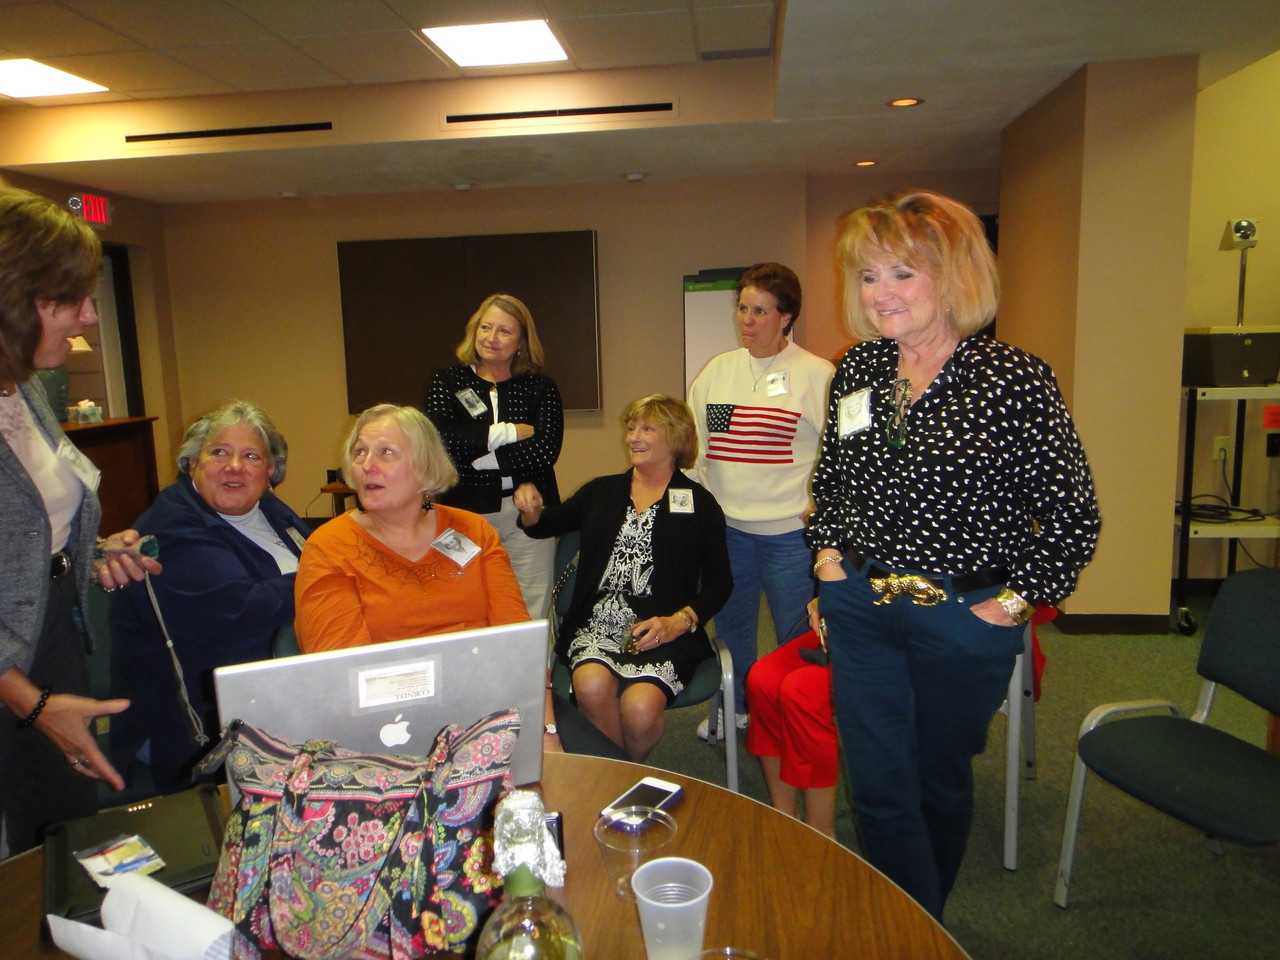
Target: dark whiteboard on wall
{"points": [[405, 306]]}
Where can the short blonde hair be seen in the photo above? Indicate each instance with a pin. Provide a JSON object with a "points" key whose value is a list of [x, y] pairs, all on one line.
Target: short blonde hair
{"points": [[432, 467], [927, 232], [673, 418], [529, 359]]}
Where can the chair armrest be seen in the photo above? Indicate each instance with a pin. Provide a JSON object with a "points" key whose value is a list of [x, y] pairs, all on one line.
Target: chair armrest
{"points": [[726, 677], [1107, 710], [561, 678]]}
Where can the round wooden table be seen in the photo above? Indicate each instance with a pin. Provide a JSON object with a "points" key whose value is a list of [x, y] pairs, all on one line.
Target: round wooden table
{"points": [[781, 889]]}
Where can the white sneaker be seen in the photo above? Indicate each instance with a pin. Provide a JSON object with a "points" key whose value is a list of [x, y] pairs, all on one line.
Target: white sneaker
{"points": [[704, 728]]}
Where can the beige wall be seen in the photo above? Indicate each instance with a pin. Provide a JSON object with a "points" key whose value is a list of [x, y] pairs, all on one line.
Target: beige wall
{"points": [[1237, 157], [1105, 160], [256, 300]]}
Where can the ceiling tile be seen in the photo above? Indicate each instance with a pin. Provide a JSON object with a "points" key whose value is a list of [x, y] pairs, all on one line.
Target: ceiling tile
{"points": [[307, 18], [172, 23], [136, 71], [377, 57], [448, 13], [72, 100], [42, 30], [643, 39], [609, 8], [741, 28], [264, 65]]}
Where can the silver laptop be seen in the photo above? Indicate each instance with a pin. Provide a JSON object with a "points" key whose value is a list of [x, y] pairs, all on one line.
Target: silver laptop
{"points": [[396, 697]]}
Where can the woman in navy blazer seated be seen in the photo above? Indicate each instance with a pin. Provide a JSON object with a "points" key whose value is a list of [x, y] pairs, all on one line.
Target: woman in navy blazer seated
{"points": [[231, 549], [652, 568], [49, 760]]}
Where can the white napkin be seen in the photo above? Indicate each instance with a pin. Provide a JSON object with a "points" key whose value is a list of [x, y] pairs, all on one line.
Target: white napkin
{"points": [[145, 920]]}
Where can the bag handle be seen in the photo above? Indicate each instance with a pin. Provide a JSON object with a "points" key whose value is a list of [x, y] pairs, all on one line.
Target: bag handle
{"points": [[193, 719]]}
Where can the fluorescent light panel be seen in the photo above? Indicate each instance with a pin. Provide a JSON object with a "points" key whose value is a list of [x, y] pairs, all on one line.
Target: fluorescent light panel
{"points": [[26, 78], [497, 44]]}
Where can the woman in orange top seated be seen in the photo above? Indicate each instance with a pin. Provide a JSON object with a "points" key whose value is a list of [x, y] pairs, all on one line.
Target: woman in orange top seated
{"points": [[400, 566]]}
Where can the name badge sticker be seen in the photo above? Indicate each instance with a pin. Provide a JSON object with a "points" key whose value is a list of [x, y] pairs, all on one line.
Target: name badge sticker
{"points": [[458, 548], [472, 402], [680, 501], [854, 412], [778, 383], [297, 538], [79, 464]]}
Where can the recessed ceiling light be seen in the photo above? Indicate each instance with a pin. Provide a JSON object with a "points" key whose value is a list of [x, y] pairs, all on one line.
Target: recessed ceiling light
{"points": [[462, 186], [497, 44], [26, 78], [865, 163], [633, 177], [905, 102]]}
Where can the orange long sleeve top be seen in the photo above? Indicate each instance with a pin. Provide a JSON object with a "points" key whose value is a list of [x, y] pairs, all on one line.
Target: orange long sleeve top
{"points": [[353, 590]]}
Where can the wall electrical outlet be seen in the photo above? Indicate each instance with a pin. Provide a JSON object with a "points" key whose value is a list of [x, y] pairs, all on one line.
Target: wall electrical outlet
{"points": [[1220, 447]]}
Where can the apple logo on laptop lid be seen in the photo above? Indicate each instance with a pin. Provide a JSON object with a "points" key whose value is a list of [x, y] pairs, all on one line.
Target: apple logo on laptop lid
{"points": [[396, 732]]}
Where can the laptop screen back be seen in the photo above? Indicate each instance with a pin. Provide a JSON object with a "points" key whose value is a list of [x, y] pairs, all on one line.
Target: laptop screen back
{"points": [[396, 697]]}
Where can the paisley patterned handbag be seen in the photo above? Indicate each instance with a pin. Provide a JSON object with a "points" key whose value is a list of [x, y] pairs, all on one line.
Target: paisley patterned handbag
{"points": [[337, 855]]}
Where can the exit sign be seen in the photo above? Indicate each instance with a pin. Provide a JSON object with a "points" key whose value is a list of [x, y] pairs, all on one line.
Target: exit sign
{"points": [[91, 208]]}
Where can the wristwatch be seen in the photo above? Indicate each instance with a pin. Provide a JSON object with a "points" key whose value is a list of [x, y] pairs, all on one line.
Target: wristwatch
{"points": [[551, 729], [1018, 609]]}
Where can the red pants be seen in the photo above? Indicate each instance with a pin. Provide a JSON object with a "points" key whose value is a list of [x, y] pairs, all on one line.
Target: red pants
{"points": [[789, 700]]}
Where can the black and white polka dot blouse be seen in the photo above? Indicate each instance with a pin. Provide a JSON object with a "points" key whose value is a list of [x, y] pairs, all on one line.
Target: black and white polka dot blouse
{"points": [[531, 398], [991, 474]]}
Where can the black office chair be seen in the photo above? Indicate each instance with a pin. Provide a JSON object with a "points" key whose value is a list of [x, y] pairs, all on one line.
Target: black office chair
{"points": [[1209, 779], [711, 681]]}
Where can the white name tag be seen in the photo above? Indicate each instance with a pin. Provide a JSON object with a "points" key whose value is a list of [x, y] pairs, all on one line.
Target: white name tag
{"points": [[472, 402], [778, 382], [854, 411], [458, 548], [297, 538], [680, 501]]}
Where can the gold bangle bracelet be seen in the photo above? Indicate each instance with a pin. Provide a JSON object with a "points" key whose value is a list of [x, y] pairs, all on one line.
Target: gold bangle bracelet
{"points": [[822, 561]]}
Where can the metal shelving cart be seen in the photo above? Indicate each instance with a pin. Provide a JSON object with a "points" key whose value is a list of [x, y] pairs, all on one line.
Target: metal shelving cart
{"points": [[1266, 527]]}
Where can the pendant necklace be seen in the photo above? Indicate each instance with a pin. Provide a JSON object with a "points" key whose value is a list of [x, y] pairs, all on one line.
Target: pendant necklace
{"points": [[752, 368]]}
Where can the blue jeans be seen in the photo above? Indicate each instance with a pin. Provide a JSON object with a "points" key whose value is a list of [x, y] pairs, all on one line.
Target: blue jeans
{"points": [[781, 566], [914, 690]]}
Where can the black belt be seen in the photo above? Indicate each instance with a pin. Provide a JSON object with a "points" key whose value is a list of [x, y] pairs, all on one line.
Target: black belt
{"points": [[960, 584], [59, 564]]}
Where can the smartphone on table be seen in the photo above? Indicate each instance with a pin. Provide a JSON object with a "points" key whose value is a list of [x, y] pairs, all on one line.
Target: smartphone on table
{"points": [[648, 792]]}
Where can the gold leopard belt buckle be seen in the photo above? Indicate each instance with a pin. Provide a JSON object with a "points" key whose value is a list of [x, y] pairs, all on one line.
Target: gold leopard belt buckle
{"points": [[921, 591]]}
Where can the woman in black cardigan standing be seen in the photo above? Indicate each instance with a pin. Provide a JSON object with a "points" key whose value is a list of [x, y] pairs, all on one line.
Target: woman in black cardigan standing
{"points": [[502, 422], [653, 568]]}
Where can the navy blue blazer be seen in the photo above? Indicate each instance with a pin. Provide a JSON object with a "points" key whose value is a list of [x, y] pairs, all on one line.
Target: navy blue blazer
{"points": [[223, 599]]}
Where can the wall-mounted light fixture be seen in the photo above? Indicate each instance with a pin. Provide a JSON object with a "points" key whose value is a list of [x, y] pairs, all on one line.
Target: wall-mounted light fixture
{"points": [[1240, 235]]}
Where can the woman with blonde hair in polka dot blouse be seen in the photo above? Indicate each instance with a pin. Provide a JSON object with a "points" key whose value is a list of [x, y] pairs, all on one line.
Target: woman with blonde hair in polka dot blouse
{"points": [[952, 494]]}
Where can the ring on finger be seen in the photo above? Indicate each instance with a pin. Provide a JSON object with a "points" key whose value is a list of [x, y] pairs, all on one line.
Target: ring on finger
{"points": [[78, 762]]}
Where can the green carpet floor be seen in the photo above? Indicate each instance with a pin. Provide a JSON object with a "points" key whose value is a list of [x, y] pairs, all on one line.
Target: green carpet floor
{"points": [[1144, 886]]}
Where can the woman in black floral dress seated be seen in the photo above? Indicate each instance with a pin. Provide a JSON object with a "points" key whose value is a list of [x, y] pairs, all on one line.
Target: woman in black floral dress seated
{"points": [[652, 569]]}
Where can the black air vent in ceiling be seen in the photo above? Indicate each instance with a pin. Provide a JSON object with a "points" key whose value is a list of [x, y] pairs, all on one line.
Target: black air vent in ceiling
{"points": [[228, 132], [562, 112]]}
